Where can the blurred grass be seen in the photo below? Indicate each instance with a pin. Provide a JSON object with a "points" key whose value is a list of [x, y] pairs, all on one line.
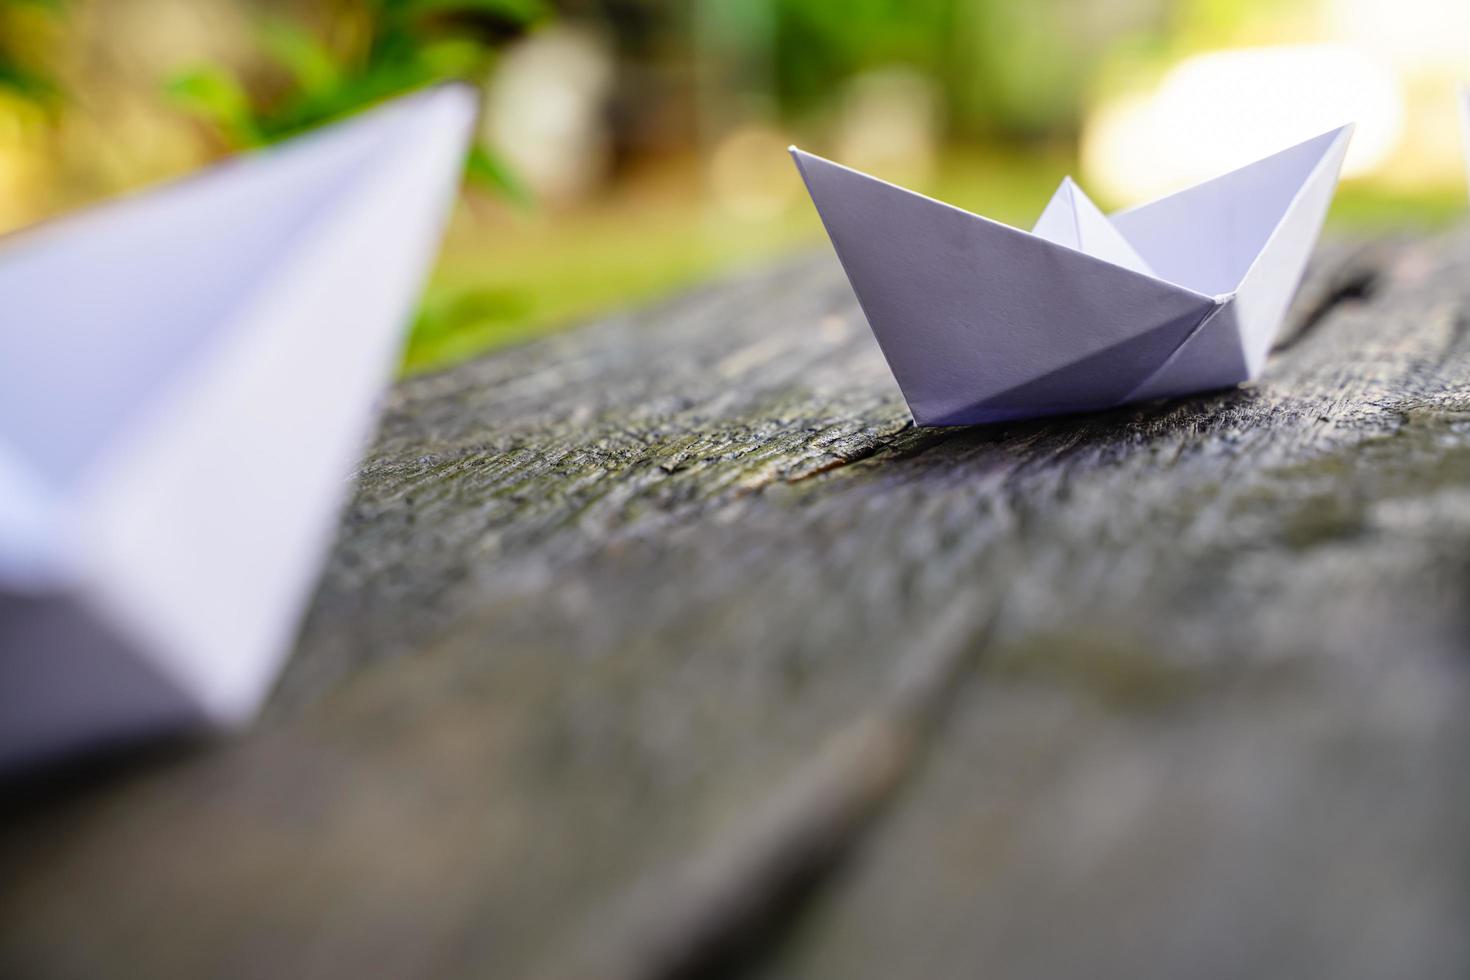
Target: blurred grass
{"points": [[1364, 209], [508, 276]]}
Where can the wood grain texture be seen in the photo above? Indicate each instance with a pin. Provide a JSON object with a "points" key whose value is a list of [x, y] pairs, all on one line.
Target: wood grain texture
{"points": [[668, 647]]}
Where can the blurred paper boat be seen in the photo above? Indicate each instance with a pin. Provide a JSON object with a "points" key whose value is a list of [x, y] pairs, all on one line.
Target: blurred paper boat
{"points": [[1465, 124], [981, 322], [186, 380]]}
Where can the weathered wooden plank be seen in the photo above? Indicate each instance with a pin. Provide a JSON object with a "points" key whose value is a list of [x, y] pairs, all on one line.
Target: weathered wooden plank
{"points": [[630, 633], [1238, 755]]}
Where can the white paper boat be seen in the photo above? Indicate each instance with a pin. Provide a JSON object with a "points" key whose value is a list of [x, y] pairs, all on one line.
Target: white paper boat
{"points": [[186, 379], [1465, 124], [981, 322]]}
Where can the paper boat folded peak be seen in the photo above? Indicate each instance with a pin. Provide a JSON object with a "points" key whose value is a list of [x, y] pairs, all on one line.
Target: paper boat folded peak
{"points": [[186, 379], [981, 322]]}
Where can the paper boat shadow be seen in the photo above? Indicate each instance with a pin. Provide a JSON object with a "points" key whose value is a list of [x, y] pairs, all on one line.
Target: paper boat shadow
{"points": [[981, 322]]}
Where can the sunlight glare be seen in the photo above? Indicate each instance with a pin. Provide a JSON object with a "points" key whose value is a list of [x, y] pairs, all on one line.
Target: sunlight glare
{"points": [[1218, 111]]}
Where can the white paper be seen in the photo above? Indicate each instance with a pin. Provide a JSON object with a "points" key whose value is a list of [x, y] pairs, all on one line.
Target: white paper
{"points": [[186, 379], [1071, 219], [1465, 124], [981, 322]]}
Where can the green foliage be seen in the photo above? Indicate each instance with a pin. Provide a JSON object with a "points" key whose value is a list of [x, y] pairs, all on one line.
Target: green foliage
{"points": [[819, 43], [214, 94], [490, 171], [310, 63], [21, 72], [1013, 68], [409, 44]]}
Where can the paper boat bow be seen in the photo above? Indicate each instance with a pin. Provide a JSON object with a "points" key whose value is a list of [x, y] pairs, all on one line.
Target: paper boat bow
{"points": [[981, 322], [186, 379]]}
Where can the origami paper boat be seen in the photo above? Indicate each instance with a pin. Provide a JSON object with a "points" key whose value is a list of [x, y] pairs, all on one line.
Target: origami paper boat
{"points": [[186, 378], [981, 322], [1465, 124]]}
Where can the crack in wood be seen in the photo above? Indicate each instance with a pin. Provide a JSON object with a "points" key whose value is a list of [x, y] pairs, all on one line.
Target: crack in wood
{"points": [[724, 908]]}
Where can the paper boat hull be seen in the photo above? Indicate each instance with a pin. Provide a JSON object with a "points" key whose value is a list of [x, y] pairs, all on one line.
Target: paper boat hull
{"points": [[162, 576], [74, 681]]}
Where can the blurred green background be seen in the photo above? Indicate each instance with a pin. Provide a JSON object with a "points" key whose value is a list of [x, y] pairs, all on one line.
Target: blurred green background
{"points": [[631, 147]]}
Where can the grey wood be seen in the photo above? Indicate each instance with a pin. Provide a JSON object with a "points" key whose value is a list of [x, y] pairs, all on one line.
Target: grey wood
{"points": [[668, 647]]}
